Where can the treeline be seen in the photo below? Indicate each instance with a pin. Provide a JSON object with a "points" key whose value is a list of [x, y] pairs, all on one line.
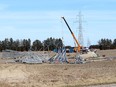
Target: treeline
{"points": [[26, 44], [105, 44]]}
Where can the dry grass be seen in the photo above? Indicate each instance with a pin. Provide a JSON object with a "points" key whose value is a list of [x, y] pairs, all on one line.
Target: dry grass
{"points": [[107, 53], [59, 75], [2, 84], [45, 75]]}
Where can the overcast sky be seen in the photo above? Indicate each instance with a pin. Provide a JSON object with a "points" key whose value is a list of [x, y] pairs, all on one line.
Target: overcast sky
{"points": [[40, 19]]}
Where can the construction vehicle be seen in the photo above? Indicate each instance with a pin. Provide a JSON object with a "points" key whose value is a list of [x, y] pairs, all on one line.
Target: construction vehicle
{"points": [[79, 46]]}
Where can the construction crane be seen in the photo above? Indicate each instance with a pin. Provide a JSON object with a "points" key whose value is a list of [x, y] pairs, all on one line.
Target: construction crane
{"points": [[79, 46]]}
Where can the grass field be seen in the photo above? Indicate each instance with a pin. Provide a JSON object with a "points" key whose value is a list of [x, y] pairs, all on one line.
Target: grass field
{"points": [[59, 75]]}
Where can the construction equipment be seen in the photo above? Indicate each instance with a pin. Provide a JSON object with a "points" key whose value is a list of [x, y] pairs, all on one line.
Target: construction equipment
{"points": [[79, 46]]}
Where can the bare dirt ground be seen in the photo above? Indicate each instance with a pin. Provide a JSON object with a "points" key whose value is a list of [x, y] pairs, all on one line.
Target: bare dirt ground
{"points": [[110, 85], [107, 53], [60, 75]]}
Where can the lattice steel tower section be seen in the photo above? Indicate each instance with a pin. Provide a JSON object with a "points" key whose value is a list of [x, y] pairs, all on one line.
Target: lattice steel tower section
{"points": [[80, 34]]}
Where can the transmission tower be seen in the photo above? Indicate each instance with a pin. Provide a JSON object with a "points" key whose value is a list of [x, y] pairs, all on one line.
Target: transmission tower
{"points": [[80, 34], [88, 43]]}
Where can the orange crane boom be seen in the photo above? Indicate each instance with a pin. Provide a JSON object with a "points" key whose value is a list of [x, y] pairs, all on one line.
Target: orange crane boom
{"points": [[79, 47]]}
